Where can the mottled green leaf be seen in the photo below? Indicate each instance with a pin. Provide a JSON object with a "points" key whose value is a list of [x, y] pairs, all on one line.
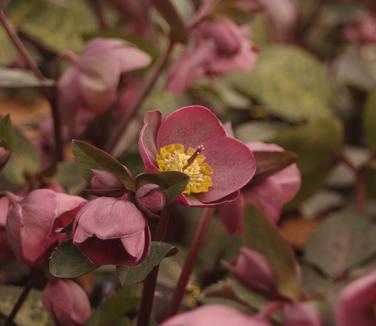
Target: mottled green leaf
{"points": [[262, 236], [132, 275], [89, 157], [68, 262], [289, 82]]}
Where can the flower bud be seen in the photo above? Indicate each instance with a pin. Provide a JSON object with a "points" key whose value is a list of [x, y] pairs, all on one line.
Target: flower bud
{"points": [[112, 231], [150, 199], [4, 156], [66, 303], [32, 222]]}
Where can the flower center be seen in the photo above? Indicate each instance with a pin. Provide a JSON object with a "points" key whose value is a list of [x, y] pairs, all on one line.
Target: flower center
{"points": [[174, 158]]}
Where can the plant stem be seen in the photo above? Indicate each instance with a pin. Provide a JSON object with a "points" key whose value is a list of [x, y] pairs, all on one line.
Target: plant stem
{"points": [[38, 74], [144, 92], [151, 280], [200, 233], [20, 301]]}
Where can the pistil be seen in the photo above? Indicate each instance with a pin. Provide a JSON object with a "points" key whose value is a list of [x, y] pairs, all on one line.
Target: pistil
{"points": [[194, 156]]}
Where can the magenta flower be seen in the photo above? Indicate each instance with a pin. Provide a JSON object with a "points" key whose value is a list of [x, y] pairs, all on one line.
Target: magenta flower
{"points": [[192, 140], [112, 231], [356, 302], [33, 220], [91, 83], [273, 192], [66, 303], [215, 314], [220, 46]]}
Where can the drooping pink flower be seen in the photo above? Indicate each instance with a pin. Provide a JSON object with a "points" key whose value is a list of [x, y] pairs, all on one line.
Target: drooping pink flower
{"points": [[33, 220], [254, 271], [220, 46], [301, 313], [91, 83], [66, 303], [192, 140], [356, 302], [363, 30], [112, 231], [215, 314], [270, 194]]}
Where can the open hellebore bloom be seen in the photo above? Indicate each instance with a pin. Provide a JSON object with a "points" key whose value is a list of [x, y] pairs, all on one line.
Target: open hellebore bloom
{"points": [[66, 303], [356, 303], [32, 222], [192, 140], [112, 231], [215, 314], [91, 83], [220, 46], [254, 271], [270, 194]]}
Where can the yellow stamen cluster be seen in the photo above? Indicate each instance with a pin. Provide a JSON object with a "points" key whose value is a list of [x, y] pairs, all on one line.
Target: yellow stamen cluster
{"points": [[174, 158]]}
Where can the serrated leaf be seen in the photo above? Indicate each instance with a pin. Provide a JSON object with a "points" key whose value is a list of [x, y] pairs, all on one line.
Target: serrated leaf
{"points": [[343, 241], [263, 237], [269, 163], [68, 262], [132, 275], [89, 157], [318, 145], [171, 182], [24, 159], [6, 133], [369, 120], [289, 82], [32, 311], [178, 31]]}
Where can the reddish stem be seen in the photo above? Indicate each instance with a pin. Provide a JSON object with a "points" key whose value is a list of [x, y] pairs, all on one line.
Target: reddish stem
{"points": [[190, 261], [144, 92], [361, 193], [151, 280]]}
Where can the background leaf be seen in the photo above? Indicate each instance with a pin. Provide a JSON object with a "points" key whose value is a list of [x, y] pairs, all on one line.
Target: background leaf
{"points": [[369, 120]]}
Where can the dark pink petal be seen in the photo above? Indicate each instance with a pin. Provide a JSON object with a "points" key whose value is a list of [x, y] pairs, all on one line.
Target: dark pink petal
{"points": [[191, 126], [214, 314], [232, 215], [104, 180], [356, 302], [66, 303], [69, 91], [4, 208], [273, 192], [233, 167], [301, 314], [147, 141]]}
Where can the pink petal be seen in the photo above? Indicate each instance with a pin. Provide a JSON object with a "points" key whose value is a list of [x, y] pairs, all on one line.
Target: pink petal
{"points": [[147, 141], [191, 126], [232, 215], [4, 208], [298, 314]]}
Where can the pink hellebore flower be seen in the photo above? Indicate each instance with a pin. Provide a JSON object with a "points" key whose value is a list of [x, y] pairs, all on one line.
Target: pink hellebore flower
{"points": [[301, 314], [273, 192], [192, 140], [150, 199], [112, 231], [220, 47], [363, 30], [215, 314], [357, 301], [66, 303], [91, 83], [32, 222]]}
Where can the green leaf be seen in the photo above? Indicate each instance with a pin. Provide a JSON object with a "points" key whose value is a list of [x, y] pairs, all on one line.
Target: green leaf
{"points": [[289, 82], [6, 133], [24, 159], [178, 31], [171, 182], [343, 241], [8, 53], [257, 131], [318, 145], [263, 237], [18, 78], [68, 175], [132, 275], [68, 262], [58, 25], [89, 157], [32, 311], [269, 163], [369, 120]]}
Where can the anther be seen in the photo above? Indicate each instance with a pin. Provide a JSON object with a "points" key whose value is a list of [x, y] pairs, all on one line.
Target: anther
{"points": [[194, 156]]}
